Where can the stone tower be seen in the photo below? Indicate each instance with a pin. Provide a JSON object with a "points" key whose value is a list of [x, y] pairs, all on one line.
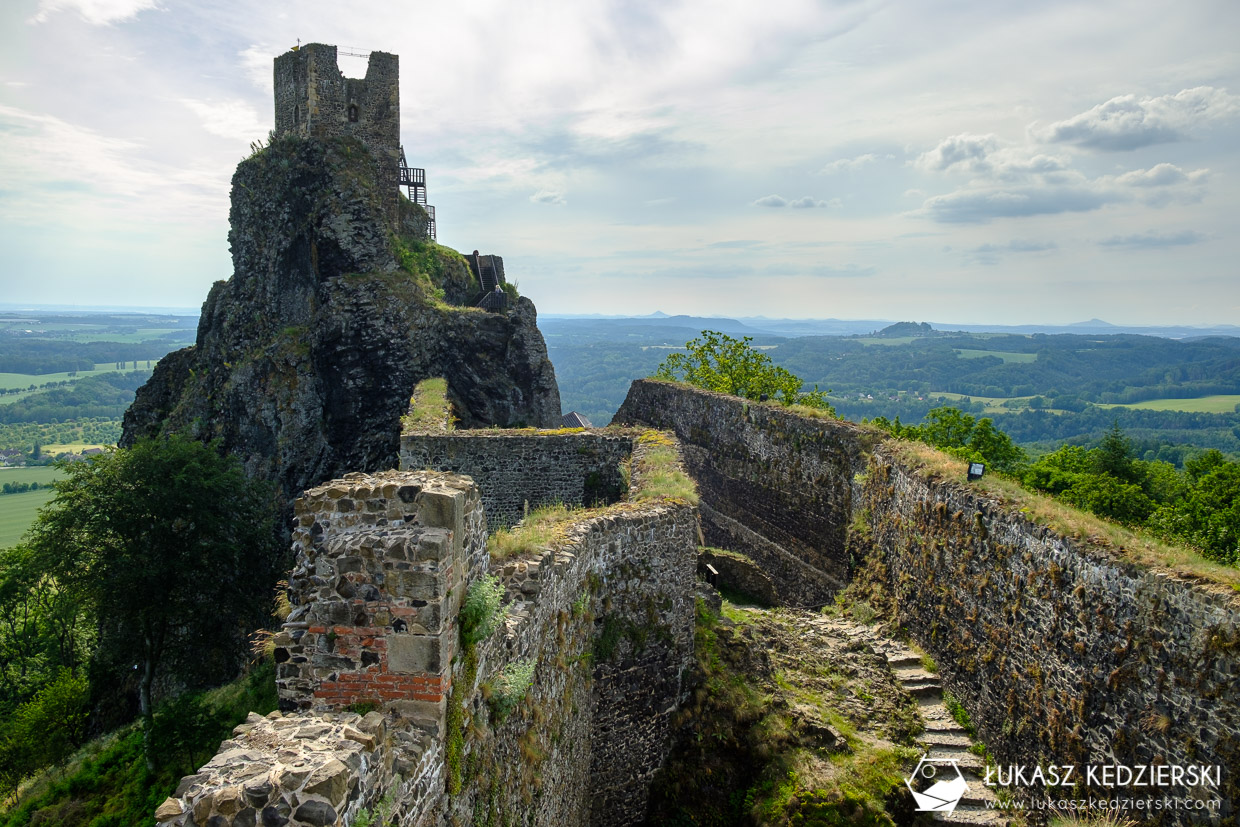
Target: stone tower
{"points": [[314, 99]]}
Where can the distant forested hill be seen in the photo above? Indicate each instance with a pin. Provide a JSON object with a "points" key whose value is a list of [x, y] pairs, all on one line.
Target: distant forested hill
{"points": [[1043, 389], [1109, 369]]}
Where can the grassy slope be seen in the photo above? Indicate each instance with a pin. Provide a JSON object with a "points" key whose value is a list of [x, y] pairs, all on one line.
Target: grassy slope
{"points": [[107, 784]]}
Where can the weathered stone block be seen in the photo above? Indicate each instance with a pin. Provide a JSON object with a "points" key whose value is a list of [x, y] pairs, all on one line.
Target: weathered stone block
{"points": [[413, 653], [330, 781]]}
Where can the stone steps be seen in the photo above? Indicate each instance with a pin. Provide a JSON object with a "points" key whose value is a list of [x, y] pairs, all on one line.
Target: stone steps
{"points": [[944, 739]]}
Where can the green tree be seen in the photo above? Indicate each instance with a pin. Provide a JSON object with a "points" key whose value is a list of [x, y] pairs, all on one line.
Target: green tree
{"points": [[717, 362], [44, 730], [173, 548], [1114, 455]]}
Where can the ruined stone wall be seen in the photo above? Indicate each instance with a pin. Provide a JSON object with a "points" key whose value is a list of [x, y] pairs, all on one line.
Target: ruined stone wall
{"points": [[610, 626], [604, 616], [314, 99], [521, 470], [775, 486], [1062, 652]]}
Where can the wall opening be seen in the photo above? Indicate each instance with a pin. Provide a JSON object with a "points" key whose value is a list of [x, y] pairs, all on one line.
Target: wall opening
{"points": [[353, 113]]}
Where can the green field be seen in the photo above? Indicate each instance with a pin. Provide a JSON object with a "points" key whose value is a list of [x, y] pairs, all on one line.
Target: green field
{"points": [[42, 474], [1223, 403], [25, 380], [17, 512], [1006, 356]]}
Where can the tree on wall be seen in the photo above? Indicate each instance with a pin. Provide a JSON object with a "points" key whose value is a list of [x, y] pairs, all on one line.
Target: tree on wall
{"points": [[717, 362], [173, 549]]}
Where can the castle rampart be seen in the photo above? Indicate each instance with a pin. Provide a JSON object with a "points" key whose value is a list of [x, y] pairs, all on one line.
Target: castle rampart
{"points": [[522, 470]]}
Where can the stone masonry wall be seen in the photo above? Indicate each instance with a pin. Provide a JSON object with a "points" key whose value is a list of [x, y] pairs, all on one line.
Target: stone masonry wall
{"points": [[604, 616], [775, 486], [381, 563], [1061, 652], [313, 99], [517, 470], [610, 627]]}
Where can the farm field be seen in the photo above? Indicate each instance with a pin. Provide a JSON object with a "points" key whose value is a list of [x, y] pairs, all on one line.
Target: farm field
{"points": [[25, 380], [42, 474], [1221, 403], [17, 513]]}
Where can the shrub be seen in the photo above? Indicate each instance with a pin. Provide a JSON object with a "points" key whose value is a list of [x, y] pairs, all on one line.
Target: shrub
{"points": [[481, 612], [511, 686]]}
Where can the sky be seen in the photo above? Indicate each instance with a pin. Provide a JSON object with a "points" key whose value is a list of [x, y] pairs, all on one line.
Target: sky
{"points": [[976, 162]]}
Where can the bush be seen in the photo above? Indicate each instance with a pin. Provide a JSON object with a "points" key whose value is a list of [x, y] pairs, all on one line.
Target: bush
{"points": [[481, 613], [510, 688]]}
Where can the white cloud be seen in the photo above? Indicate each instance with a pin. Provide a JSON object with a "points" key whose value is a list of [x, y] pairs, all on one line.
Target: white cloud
{"points": [[978, 206], [96, 12], [257, 63], [965, 150], [1152, 239], [124, 184], [1128, 122], [1163, 175], [554, 197], [848, 164], [806, 202], [229, 119], [771, 201]]}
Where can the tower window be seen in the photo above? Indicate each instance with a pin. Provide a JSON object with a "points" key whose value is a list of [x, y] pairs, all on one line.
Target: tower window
{"points": [[296, 115], [353, 113]]}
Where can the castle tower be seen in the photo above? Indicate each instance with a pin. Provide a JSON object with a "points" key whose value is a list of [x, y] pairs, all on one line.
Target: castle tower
{"points": [[314, 99]]}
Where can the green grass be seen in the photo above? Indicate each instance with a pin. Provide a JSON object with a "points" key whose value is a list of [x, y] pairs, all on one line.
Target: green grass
{"points": [[539, 530], [1006, 356], [17, 513], [659, 474], [429, 409], [1137, 547], [42, 474], [1221, 403]]}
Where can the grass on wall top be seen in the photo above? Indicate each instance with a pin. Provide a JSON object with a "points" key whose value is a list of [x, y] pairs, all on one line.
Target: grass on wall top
{"points": [[1137, 547]]}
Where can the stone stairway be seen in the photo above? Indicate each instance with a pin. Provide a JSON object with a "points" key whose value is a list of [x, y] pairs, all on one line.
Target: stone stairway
{"points": [[943, 738]]}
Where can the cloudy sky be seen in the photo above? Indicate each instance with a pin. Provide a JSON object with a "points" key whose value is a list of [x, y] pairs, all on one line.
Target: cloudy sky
{"points": [[1040, 162]]}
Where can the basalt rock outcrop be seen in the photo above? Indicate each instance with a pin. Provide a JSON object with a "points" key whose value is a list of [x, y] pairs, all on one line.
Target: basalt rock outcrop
{"points": [[338, 305]]}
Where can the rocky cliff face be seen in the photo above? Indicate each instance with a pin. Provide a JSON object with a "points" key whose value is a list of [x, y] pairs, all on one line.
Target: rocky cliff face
{"points": [[338, 305]]}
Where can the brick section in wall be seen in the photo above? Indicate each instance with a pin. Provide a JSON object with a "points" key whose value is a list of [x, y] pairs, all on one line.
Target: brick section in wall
{"points": [[381, 563]]}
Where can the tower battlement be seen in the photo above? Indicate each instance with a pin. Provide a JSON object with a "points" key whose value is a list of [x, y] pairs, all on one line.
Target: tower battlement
{"points": [[314, 99]]}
